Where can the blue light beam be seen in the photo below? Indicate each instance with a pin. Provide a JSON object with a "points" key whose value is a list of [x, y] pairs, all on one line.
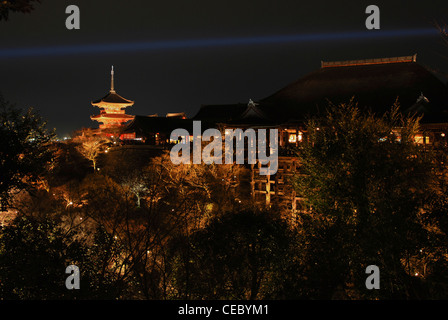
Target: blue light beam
{"points": [[143, 46]]}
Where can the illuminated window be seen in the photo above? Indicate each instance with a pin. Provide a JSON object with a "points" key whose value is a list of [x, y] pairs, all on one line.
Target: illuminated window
{"points": [[418, 139], [182, 139], [421, 139], [292, 138]]}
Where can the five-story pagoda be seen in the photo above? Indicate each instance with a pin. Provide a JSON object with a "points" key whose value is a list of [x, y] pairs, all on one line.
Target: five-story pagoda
{"points": [[112, 110]]}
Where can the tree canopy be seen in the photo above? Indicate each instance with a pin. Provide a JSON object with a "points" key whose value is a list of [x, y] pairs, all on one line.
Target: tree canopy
{"points": [[25, 150], [365, 182], [24, 6]]}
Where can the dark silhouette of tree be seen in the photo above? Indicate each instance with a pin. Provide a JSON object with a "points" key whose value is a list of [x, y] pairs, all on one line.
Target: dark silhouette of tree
{"points": [[242, 255], [365, 182], [25, 153], [24, 6], [34, 254]]}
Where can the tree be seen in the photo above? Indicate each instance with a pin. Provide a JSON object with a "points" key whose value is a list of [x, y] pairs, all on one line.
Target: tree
{"points": [[24, 6], [34, 254], [90, 146], [365, 182], [25, 151], [241, 255]]}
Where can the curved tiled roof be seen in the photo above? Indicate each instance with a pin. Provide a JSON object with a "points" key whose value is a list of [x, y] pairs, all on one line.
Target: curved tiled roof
{"points": [[113, 116], [220, 113], [113, 97], [374, 84], [147, 124]]}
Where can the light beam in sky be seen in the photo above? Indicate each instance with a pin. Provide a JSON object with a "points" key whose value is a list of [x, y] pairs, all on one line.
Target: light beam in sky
{"points": [[185, 44]]}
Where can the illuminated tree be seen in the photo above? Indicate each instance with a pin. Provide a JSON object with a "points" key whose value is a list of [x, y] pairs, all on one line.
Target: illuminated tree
{"points": [[172, 200], [212, 185], [136, 235], [90, 146], [25, 152]]}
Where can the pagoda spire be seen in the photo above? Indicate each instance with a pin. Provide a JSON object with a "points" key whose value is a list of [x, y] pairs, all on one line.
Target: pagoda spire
{"points": [[112, 80]]}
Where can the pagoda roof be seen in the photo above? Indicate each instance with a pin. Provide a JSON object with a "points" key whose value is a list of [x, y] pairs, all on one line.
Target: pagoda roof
{"points": [[113, 97], [112, 116]]}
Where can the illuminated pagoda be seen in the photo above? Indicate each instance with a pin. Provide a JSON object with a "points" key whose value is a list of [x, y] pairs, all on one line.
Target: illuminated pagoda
{"points": [[112, 110]]}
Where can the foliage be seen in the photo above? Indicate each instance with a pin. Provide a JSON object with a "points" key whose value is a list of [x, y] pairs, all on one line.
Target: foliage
{"points": [[24, 6], [144, 228], [24, 150], [90, 146], [365, 182], [33, 257], [242, 255], [69, 164]]}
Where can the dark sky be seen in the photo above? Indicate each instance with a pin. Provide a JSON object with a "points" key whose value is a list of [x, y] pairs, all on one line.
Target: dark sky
{"points": [[59, 71]]}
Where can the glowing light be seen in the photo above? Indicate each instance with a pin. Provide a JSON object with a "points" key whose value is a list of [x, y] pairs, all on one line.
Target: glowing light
{"points": [[419, 139]]}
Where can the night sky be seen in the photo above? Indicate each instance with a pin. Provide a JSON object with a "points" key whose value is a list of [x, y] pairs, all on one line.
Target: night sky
{"points": [[174, 56]]}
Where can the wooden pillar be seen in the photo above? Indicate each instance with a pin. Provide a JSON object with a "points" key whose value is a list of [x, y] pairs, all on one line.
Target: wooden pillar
{"points": [[268, 189], [297, 137], [252, 181]]}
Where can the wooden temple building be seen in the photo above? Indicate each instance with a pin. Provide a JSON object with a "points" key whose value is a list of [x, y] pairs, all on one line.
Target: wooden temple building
{"points": [[375, 84]]}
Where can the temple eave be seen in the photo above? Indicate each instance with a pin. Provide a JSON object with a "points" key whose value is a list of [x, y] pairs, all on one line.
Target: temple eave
{"points": [[102, 104]]}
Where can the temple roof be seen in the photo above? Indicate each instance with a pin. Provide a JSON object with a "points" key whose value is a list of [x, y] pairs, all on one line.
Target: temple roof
{"points": [[112, 116], [220, 113], [113, 97], [375, 84], [148, 124]]}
